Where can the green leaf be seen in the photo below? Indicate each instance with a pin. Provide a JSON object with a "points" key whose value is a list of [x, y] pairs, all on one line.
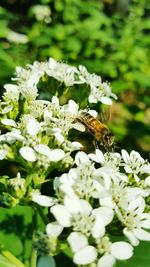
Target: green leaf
{"points": [[5, 263], [46, 261], [12, 259]]}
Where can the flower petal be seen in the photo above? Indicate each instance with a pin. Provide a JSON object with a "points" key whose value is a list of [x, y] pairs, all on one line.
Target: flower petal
{"points": [[106, 261], [54, 229], [11, 88], [106, 100], [85, 256], [125, 156], [28, 153], [56, 155], [43, 149], [121, 250], [33, 127], [7, 109], [137, 204], [62, 215], [8, 122], [44, 201], [105, 213], [79, 126], [76, 146], [98, 229], [145, 169], [55, 100], [77, 205], [81, 157], [145, 220], [92, 99], [77, 241], [142, 234], [107, 202], [131, 237], [59, 137]]}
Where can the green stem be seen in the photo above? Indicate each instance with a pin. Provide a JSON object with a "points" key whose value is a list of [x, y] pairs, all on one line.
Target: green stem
{"points": [[34, 258], [42, 215], [34, 230], [34, 220]]}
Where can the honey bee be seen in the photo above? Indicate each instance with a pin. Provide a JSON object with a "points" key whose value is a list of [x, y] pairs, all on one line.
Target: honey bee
{"points": [[102, 134]]}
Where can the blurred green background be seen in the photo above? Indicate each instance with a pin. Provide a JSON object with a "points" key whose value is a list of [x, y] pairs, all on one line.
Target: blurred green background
{"points": [[109, 37]]}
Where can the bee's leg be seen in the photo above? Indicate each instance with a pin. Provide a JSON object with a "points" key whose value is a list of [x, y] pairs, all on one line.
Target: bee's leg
{"points": [[113, 147], [95, 144]]}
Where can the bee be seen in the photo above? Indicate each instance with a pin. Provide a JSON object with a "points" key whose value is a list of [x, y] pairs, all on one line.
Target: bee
{"points": [[102, 134]]}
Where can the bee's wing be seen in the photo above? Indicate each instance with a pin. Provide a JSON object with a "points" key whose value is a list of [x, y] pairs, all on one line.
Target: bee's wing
{"points": [[105, 115]]}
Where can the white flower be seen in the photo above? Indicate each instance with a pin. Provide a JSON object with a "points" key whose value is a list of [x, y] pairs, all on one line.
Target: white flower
{"points": [[62, 72], [87, 77], [16, 37], [28, 80], [27, 90], [11, 137], [11, 88], [97, 157], [11, 93], [82, 158], [71, 108], [81, 181], [109, 171], [118, 250], [134, 218], [78, 213], [42, 13], [106, 159], [83, 253], [60, 119], [134, 164], [100, 92]]}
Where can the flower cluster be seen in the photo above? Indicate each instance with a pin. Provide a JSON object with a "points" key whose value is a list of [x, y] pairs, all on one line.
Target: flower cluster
{"points": [[100, 193], [94, 195], [35, 132], [69, 75]]}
